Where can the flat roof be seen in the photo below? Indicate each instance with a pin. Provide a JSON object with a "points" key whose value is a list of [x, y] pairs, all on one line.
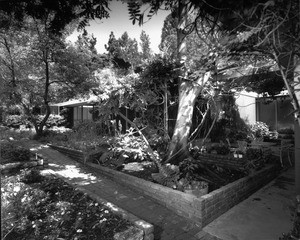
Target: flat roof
{"points": [[74, 103]]}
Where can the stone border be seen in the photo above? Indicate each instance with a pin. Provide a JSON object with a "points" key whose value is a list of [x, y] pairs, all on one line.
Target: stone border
{"points": [[202, 210]]}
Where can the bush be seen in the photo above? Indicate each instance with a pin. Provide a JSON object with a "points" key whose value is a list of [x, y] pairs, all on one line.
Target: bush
{"points": [[31, 176], [14, 153], [15, 121], [54, 120], [259, 130]]}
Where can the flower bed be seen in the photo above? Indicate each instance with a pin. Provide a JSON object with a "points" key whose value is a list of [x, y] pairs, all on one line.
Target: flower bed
{"points": [[31, 201], [202, 209]]}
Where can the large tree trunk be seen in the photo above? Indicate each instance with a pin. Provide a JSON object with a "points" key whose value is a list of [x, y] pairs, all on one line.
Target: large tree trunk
{"points": [[188, 93]]}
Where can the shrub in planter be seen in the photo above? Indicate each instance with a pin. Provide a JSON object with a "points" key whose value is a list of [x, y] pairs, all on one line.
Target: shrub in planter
{"points": [[14, 153]]}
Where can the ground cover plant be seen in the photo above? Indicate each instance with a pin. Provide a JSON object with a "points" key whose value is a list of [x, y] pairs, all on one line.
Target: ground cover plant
{"points": [[11, 152], [34, 206]]}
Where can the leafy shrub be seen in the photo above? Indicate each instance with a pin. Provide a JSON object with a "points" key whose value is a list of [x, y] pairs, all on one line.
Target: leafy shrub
{"points": [[14, 153], [15, 121], [54, 120], [259, 130]]}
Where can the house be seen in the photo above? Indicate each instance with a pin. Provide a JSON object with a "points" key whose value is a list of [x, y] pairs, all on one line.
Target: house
{"points": [[276, 111], [77, 111]]}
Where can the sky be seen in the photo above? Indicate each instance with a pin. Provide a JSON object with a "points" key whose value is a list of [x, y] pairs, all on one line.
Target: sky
{"points": [[119, 22]]}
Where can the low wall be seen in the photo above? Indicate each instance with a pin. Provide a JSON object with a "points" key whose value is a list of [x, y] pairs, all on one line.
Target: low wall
{"points": [[204, 209], [77, 155], [223, 161], [74, 154]]}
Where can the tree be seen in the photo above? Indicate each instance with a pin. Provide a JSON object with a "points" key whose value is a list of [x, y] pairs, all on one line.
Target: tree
{"points": [[123, 51], [244, 22], [37, 66], [145, 47]]}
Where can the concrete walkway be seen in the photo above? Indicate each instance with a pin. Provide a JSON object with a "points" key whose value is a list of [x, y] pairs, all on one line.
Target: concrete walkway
{"points": [[167, 225], [265, 215]]}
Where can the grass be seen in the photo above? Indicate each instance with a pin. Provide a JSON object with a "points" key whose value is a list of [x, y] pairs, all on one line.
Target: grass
{"points": [[36, 206]]}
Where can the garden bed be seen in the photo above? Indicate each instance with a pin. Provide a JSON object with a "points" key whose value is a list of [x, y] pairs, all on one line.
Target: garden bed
{"points": [[31, 201], [202, 209]]}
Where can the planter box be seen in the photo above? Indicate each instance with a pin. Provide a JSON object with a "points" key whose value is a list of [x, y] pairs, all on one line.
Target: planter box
{"points": [[77, 155], [204, 209]]}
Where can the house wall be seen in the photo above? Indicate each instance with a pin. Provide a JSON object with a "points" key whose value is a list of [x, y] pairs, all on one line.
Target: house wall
{"points": [[246, 105], [82, 114], [275, 112]]}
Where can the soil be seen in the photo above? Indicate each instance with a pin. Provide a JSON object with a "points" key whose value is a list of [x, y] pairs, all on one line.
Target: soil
{"points": [[30, 201], [145, 169]]}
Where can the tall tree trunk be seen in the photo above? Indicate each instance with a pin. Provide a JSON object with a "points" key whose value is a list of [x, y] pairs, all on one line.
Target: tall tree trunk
{"points": [[188, 93], [40, 129]]}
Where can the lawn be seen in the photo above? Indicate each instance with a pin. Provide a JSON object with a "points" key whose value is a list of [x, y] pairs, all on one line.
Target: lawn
{"points": [[38, 206]]}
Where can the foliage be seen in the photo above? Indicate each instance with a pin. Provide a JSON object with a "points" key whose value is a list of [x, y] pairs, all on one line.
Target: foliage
{"points": [[252, 153], [123, 51], [145, 47], [40, 67], [15, 121], [259, 130], [11, 152], [229, 124], [46, 201], [62, 14], [16, 134], [54, 120], [31, 176]]}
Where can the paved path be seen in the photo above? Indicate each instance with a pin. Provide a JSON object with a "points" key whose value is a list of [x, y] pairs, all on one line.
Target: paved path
{"points": [[167, 225], [265, 215]]}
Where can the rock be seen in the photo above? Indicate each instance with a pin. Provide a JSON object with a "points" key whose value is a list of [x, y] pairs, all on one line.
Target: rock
{"points": [[132, 233]]}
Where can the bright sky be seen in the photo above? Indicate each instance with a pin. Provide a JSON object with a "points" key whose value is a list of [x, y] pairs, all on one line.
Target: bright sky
{"points": [[119, 22]]}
